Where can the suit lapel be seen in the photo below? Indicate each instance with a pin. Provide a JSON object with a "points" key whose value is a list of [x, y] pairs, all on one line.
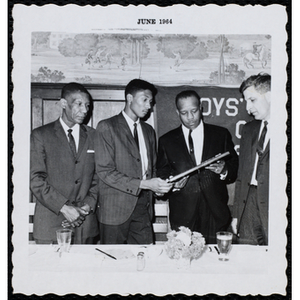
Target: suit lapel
{"points": [[82, 139], [254, 141], [148, 147], [61, 135], [207, 142], [181, 146], [147, 140], [267, 149], [126, 136]]}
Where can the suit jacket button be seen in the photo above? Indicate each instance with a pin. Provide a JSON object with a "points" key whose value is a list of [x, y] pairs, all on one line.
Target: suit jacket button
{"points": [[77, 181], [76, 162], [138, 160]]}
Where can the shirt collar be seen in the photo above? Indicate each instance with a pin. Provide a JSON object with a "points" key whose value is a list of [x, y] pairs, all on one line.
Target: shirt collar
{"points": [[262, 124], [75, 128], [199, 128], [129, 121]]}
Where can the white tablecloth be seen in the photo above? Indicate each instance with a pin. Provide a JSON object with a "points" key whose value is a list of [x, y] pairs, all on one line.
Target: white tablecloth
{"points": [[242, 259], [86, 271]]}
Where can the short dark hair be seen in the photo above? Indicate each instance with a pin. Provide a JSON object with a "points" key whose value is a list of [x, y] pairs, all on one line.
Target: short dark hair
{"points": [[73, 87], [136, 85], [186, 94], [261, 83]]}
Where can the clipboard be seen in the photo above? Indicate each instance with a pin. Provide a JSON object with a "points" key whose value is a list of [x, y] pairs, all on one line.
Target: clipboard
{"points": [[203, 164]]}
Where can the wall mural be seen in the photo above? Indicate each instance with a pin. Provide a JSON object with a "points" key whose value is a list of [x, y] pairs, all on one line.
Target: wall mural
{"points": [[167, 60]]}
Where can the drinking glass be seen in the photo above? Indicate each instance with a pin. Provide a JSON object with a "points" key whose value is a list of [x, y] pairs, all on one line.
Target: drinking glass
{"points": [[224, 240], [64, 237]]}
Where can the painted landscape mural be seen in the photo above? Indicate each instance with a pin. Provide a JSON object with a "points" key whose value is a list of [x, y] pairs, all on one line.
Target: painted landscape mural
{"points": [[167, 60]]}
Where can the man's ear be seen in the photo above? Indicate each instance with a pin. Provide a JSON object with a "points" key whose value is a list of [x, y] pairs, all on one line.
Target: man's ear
{"points": [[63, 103], [268, 96], [177, 112], [201, 107], [129, 98]]}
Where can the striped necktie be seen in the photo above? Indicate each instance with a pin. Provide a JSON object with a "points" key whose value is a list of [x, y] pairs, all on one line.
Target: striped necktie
{"points": [[260, 145], [191, 146]]}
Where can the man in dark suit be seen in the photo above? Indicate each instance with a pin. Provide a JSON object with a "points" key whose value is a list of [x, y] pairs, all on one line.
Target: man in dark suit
{"points": [[62, 172], [251, 204], [201, 204], [125, 149]]}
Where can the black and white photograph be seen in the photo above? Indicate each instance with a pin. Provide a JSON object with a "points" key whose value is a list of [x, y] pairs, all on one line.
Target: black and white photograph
{"points": [[149, 149]]}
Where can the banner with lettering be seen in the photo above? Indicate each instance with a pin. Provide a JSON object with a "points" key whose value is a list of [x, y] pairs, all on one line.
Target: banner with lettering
{"points": [[221, 106]]}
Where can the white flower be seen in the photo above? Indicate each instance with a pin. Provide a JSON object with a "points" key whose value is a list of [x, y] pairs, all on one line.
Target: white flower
{"points": [[184, 243], [186, 239]]}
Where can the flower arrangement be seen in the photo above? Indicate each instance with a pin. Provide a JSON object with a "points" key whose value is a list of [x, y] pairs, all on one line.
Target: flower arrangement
{"points": [[184, 243]]}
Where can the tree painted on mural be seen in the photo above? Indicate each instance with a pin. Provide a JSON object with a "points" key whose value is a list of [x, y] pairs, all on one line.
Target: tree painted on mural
{"points": [[232, 75], [85, 42], [80, 45], [134, 47], [139, 48], [221, 42], [40, 40], [200, 51], [47, 75], [181, 46], [109, 43], [67, 47], [104, 49], [219, 45]]}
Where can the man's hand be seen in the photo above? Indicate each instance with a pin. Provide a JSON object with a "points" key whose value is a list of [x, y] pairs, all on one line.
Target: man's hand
{"points": [[234, 225], [157, 185], [70, 213], [179, 184], [86, 208], [216, 167], [83, 211]]}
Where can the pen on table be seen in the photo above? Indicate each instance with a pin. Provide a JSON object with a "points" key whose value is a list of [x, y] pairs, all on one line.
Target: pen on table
{"points": [[105, 253], [217, 249]]}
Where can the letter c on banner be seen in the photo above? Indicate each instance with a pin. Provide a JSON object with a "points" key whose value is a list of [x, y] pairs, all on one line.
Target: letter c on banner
{"points": [[237, 149], [237, 128]]}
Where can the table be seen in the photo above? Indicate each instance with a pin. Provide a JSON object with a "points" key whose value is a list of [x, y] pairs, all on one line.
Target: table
{"points": [[243, 259], [86, 271]]}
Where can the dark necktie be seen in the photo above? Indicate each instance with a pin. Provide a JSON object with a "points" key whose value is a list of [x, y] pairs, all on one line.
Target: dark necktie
{"points": [[191, 146], [72, 142], [260, 145], [135, 135]]}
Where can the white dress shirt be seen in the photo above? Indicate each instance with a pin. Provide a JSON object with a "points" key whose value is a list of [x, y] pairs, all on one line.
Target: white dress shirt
{"points": [[267, 138], [198, 138], [142, 144], [75, 131]]}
